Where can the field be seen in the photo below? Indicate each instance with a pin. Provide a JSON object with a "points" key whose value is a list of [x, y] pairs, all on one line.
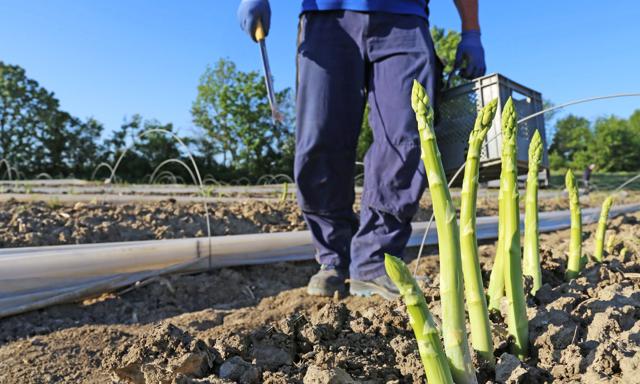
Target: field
{"points": [[256, 324]]}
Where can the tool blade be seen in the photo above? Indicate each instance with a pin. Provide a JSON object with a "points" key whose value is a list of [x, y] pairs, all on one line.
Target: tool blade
{"points": [[275, 113]]}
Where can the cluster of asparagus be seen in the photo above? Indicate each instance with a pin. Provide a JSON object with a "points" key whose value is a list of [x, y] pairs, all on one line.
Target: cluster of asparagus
{"points": [[458, 249]]}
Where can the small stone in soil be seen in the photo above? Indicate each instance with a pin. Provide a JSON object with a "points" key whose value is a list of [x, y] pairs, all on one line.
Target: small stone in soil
{"points": [[318, 375], [239, 370]]}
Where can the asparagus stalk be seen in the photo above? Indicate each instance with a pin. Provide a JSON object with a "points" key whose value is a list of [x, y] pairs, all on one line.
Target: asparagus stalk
{"points": [[496, 280], [602, 227], [531, 257], [432, 355], [575, 244], [495, 292], [517, 308], [453, 317], [611, 242], [474, 289], [623, 253]]}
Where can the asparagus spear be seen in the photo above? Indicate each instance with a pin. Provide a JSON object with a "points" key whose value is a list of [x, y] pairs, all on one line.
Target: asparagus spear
{"points": [[432, 355], [517, 308], [453, 318], [531, 258], [496, 280], [602, 227], [474, 289], [611, 242], [575, 244]]}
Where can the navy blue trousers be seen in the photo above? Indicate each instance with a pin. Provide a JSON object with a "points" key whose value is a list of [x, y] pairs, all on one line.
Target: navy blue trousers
{"points": [[343, 58]]}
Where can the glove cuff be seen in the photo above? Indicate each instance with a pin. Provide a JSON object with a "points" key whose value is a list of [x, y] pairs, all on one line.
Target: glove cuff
{"points": [[471, 33]]}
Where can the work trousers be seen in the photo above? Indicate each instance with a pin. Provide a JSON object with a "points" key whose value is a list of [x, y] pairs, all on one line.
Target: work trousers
{"points": [[343, 58]]}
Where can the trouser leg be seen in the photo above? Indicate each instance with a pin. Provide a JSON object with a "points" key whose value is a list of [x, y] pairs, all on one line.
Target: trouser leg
{"points": [[401, 50], [330, 104]]}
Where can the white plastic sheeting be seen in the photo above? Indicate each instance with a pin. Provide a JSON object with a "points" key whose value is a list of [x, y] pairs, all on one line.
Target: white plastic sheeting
{"points": [[37, 277]]}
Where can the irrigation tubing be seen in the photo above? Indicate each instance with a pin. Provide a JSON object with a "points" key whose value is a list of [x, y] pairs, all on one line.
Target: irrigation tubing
{"points": [[629, 181], [526, 118], [172, 160]]}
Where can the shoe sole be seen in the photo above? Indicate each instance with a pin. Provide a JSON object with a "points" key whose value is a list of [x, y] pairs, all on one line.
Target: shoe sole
{"points": [[366, 289], [326, 293]]}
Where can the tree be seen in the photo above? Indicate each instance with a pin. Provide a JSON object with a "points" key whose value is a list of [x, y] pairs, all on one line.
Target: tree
{"points": [[85, 151], [146, 149], [446, 45], [617, 144], [52, 135], [232, 109], [634, 121], [36, 135], [22, 103], [571, 142]]}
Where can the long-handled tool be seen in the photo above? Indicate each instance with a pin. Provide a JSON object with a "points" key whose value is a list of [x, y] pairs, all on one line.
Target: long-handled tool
{"points": [[260, 38]]}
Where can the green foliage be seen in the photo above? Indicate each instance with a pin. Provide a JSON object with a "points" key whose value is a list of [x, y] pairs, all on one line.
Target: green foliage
{"points": [[84, 150], [571, 141], [36, 135], [233, 112], [23, 104], [446, 44], [612, 143], [236, 136], [147, 149], [556, 161], [617, 143]]}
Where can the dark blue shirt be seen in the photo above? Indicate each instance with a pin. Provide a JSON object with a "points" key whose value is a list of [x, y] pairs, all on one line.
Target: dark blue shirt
{"points": [[411, 7]]}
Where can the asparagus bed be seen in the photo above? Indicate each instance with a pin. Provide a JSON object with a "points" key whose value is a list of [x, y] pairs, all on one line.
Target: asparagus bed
{"points": [[473, 287], [453, 316]]}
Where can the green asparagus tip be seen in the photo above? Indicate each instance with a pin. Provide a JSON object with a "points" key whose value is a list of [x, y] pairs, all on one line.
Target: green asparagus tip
{"points": [[606, 205], [398, 273], [535, 148], [394, 267], [570, 181], [419, 98], [509, 120], [489, 112]]}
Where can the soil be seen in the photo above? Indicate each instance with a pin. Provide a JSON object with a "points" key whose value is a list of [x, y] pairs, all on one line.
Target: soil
{"points": [[46, 223], [257, 325], [37, 223]]}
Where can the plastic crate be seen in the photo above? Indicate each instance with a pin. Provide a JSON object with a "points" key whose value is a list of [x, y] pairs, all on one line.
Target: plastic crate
{"points": [[457, 110]]}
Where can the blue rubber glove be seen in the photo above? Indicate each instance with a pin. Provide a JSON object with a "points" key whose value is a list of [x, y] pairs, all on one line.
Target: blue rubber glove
{"points": [[470, 55], [250, 11]]}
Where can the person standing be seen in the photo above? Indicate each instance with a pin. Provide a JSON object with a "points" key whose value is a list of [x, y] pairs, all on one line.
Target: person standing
{"points": [[586, 177], [351, 51]]}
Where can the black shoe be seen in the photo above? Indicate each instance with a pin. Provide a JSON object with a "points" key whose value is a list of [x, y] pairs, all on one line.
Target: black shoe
{"points": [[327, 282], [381, 285]]}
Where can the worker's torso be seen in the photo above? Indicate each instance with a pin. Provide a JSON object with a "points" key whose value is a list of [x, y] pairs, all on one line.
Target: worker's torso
{"points": [[411, 7]]}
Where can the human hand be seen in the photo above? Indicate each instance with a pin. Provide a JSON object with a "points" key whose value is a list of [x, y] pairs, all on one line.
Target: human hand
{"points": [[470, 55]]}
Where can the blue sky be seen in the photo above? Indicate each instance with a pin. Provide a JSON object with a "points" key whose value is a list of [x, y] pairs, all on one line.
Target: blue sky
{"points": [[110, 59]]}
